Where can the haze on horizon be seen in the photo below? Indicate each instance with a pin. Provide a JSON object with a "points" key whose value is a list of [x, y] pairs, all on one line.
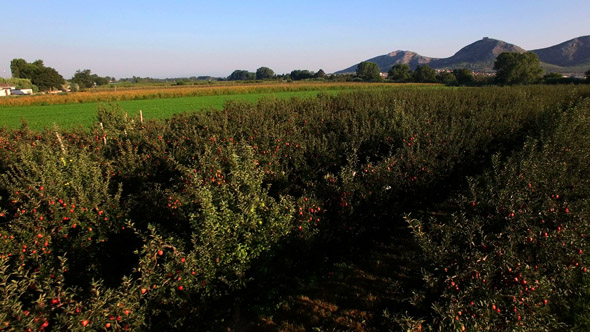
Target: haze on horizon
{"points": [[198, 38]]}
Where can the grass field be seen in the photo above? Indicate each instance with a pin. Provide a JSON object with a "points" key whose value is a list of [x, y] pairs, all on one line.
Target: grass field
{"points": [[73, 110], [83, 114], [142, 92]]}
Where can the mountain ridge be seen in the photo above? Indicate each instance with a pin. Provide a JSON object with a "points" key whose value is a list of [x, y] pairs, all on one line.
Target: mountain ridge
{"points": [[573, 52], [569, 57]]}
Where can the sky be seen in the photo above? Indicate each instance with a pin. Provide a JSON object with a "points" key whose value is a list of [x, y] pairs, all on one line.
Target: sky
{"points": [[161, 39]]}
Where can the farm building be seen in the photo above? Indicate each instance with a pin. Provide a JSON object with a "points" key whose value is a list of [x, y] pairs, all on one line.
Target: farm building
{"points": [[5, 89]]}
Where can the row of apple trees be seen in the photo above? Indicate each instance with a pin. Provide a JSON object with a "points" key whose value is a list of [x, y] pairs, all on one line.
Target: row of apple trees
{"points": [[159, 225]]}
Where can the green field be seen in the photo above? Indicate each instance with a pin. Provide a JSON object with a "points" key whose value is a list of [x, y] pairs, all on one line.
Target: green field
{"points": [[84, 114]]}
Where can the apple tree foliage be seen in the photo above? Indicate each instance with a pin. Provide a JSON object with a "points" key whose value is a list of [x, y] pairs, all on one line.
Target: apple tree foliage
{"points": [[164, 225]]}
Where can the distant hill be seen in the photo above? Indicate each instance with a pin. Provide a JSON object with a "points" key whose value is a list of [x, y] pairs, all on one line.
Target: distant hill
{"points": [[478, 56], [385, 62], [572, 53], [572, 56]]}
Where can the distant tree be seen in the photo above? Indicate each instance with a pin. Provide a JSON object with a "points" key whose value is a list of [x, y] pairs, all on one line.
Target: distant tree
{"points": [[341, 77], [47, 79], [368, 71], [446, 77], [282, 76], [74, 87], [518, 68], [241, 75], [22, 69], [463, 76], [320, 74], [264, 73], [557, 78], [400, 72], [83, 78], [552, 75], [16, 66], [552, 78], [101, 80], [424, 74], [297, 75], [587, 75]]}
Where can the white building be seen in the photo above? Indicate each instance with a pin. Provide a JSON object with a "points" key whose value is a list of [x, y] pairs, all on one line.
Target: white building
{"points": [[6, 90]]}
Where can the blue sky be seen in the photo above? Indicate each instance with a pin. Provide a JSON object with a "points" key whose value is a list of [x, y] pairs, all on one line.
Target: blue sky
{"points": [[192, 38]]}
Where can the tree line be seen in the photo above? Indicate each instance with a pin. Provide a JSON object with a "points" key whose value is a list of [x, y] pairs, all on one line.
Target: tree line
{"points": [[47, 78], [265, 73], [511, 68]]}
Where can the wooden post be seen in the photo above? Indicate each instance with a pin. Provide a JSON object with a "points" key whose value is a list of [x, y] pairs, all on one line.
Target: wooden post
{"points": [[104, 135], [61, 143], [140, 117]]}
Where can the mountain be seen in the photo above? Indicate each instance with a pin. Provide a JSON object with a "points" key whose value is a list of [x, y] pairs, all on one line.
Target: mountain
{"points": [[478, 56], [572, 53], [385, 62], [572, 56]]}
